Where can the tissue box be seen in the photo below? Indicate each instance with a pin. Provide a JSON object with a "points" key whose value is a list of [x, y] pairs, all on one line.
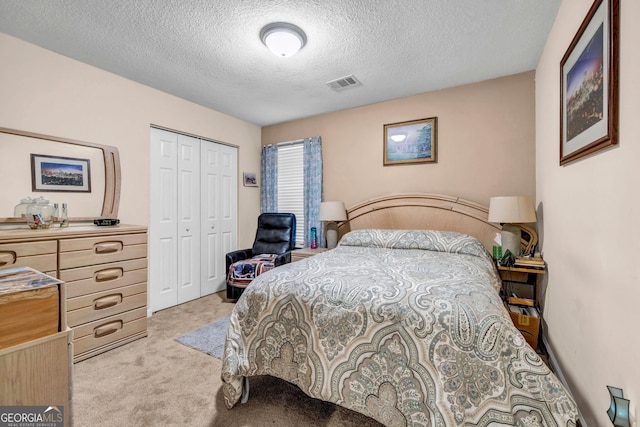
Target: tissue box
{"points": [[29, 306]]}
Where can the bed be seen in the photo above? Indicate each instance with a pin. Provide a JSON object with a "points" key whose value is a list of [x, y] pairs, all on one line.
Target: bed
{"points": [[401, 322]]}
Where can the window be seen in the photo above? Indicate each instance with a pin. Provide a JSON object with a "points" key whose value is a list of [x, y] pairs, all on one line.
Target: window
{"points": [[291, 185]]}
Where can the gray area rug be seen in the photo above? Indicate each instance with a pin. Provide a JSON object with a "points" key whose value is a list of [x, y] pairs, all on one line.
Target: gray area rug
{"points": [[208, 339]]}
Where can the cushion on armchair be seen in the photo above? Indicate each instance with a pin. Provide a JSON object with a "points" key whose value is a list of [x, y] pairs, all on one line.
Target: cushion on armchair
{"points": [[241, 273]]}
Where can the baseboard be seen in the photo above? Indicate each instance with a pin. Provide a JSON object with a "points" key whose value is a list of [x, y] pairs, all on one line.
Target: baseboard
{"points": [[556, 369]]}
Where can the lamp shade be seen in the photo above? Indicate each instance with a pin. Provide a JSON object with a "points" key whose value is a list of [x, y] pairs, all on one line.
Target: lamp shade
{"points": [[332, 211], [511, 209]]}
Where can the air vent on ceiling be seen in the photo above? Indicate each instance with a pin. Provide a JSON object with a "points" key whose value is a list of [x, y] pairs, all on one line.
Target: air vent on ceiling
{"points": [[343, 83]]}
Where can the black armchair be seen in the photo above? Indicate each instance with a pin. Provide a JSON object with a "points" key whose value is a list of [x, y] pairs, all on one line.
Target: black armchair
{"points": [[276, 236]]}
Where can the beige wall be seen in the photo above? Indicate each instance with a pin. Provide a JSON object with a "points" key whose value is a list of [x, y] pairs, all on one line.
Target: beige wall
{"points": [[485, 143], [48, 93], [588, 209]]}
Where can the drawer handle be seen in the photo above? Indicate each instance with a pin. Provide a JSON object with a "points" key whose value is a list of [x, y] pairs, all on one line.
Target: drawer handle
{"points": [[107, 328], [7, 258], [108, 247], [106, 302], [109, 274]]}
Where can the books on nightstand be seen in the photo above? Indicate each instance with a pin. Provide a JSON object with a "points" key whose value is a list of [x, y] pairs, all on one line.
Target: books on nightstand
{"points": [[529, 262]]}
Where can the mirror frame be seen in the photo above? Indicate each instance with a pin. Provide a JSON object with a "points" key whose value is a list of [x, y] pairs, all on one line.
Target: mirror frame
{"points": [[112, 178]]}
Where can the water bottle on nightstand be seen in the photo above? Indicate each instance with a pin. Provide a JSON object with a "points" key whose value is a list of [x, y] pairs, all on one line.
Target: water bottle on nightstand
{"points": [[313, 238]]}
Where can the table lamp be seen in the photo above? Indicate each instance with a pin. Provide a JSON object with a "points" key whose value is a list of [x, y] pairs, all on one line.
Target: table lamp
{"points": [[330, 212], [508, 211]]}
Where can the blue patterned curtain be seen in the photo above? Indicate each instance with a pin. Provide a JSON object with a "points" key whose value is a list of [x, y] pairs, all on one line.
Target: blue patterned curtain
{"points": [[313, 194], [269, 170]]}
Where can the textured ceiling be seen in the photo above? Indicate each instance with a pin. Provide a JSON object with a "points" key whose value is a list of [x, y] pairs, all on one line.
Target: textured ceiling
{"points": [[209, 51]]}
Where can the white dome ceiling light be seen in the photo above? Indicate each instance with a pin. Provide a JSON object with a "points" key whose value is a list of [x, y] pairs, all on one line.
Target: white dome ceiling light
{"points": [[282, 38]]}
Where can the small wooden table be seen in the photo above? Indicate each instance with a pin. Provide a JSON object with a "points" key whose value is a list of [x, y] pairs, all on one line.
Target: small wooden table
{"points": [[528, 323], [523, 276], [303, 253]]}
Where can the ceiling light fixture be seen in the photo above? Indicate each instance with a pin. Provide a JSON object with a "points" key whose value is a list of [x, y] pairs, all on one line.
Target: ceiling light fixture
{"points": [[282, 38]]}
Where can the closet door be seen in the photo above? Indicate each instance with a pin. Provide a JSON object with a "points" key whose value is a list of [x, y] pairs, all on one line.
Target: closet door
{"points": [[219, 189], [229, 216], [188, 218], [194, 199], [163, 230]]}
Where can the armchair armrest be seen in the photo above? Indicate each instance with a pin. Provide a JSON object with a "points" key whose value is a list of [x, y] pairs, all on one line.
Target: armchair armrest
{"points": [[238, 255], [284, 258]]}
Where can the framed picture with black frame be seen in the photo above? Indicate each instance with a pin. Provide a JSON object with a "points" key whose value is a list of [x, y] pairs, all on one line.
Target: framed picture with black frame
{"points": [[589, 84]]}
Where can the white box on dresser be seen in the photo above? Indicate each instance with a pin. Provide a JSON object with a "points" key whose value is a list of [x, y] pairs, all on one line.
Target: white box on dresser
{"points": [[105, 272]]}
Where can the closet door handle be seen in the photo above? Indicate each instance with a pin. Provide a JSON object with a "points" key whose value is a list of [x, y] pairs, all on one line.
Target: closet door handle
{"points": [[107, 301], [7, 258], [107, 328], [108, 247], [109, 274]]}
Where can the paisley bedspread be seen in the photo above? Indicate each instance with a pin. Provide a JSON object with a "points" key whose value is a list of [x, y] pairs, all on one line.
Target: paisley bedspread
{"points": [[406, 327]]}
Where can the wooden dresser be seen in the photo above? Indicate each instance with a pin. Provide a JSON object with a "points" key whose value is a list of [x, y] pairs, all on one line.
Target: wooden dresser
{"points": [[105, 275]]}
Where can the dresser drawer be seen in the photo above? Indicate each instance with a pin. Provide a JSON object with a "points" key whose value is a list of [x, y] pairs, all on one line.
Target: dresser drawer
{"points": [[40, 256], [103, 304], [99, 250], [102, 333], [103, 277]]}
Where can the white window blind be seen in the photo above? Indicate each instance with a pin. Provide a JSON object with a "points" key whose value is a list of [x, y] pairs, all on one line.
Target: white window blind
{"points": [[291, 185]]}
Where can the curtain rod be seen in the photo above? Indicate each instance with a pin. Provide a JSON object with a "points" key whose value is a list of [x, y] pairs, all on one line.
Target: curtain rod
{"points": [[282, 144]]}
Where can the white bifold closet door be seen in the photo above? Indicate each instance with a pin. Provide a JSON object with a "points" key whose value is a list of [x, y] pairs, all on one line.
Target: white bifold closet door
{"points": [[193, 220], [218, 212]]}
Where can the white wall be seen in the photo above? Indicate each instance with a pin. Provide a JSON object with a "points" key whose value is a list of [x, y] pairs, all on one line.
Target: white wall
{"points": [[45, 92], [588, 209]]}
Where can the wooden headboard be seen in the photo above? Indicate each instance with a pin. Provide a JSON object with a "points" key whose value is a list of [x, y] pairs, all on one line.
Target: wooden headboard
{"points": [[429, 212]]}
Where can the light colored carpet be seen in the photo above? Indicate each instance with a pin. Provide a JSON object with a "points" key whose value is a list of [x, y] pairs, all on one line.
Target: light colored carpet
{"points": [[208, 339], [156, 381]]}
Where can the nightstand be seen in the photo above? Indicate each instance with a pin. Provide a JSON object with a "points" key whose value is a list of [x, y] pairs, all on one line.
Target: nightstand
{"points": [[524, 313], [519, 276], [298, 254]]}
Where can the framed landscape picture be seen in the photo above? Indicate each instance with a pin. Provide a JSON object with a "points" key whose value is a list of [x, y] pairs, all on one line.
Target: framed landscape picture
{"points": [[410, 142], [64, 174], [589, 85]]}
